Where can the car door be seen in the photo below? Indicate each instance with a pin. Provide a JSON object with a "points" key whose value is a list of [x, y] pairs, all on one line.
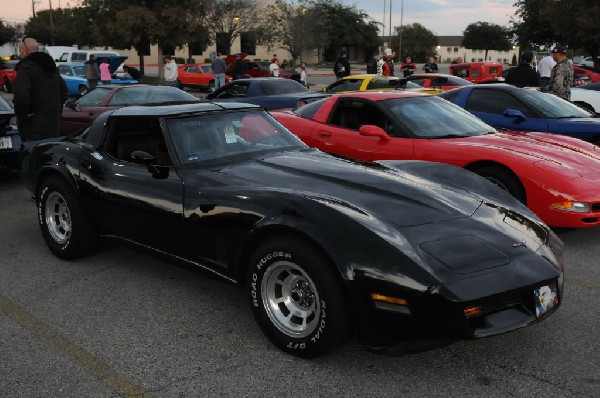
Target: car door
{"points": [[340, 135], [140, 202], [189, 75], [491, 105]]}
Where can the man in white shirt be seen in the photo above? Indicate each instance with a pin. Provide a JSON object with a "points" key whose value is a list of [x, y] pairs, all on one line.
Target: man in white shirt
{"points": [[545, 68], [274, 68], [170, 71]]}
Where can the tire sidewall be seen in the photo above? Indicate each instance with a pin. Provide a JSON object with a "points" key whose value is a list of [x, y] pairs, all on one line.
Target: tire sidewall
{"points": [[332, 317]]}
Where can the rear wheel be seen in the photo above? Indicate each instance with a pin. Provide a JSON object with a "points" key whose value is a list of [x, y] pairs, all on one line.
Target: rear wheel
{"points": [[83, 89], [180, 85], [64, 225], [6, 85], [505, 179], [297, 298]]}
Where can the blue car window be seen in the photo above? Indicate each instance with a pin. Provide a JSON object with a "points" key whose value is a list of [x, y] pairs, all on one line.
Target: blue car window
{"points": [[495, 102]]}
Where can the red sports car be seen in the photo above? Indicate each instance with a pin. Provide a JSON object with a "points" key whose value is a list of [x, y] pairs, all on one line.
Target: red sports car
{"points": [[256, 68], [581, 71], [197, 76], [8, 74], [557, 177], [438, 81]]}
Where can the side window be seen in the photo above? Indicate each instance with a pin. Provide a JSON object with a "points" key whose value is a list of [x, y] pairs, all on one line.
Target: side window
{"points": [[494, 102], [127, 135], [65, 70], [94, 97], [375, 84], [78, 57], [346, 85], [353, 114], [191, 69]]}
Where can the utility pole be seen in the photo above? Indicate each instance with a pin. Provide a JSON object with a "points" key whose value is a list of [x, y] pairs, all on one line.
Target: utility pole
{"points": [[51, 24], [400, 31], [33, 8]]}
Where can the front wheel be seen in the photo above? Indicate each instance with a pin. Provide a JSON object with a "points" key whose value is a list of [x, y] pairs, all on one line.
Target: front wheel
{"points": [[297, 298], [506, 180], [65, 227]]}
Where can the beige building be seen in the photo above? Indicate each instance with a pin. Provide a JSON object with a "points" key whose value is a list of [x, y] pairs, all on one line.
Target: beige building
{"points": [[449, 48]]}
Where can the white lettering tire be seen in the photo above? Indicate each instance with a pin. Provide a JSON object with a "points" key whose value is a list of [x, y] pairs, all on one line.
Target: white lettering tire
{"points": [[297, 298]]}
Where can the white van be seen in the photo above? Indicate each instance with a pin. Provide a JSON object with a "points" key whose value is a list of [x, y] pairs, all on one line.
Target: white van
{"points": [[83, 55]]}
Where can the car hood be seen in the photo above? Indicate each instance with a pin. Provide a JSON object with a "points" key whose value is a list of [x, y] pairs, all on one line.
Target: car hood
{"points": [[358, 188], [574, 156]]}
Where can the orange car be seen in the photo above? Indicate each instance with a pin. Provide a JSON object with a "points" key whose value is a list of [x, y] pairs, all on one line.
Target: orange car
{"points": [[478, 72], [197, 76]]}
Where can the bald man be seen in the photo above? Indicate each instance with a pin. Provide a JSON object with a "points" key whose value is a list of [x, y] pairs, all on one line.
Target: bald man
{"points": [[39, 93]]}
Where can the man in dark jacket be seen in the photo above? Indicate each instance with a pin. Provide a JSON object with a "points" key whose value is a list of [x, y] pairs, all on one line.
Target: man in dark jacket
{"points": [[39, 93], [92, 72], [341, 68], [523, 75]]}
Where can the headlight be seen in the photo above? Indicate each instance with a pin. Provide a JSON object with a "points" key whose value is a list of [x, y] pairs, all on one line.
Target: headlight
{"points": [[577, 207]]}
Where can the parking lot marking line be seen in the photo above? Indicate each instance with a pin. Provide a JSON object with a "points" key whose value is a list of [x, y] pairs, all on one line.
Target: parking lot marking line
{"points": [[86, 360], [583, 282]]}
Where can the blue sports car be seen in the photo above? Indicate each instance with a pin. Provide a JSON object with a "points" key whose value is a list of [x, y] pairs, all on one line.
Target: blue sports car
{"points": [[526, 109], [268, 92], [10, 139], [73, 73]]}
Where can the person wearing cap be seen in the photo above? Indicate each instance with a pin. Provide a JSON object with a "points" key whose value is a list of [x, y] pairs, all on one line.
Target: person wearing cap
{"points": [[170, 71], [561, 76], [523, 75]]}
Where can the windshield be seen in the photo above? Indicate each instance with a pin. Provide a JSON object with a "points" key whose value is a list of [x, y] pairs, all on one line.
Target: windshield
{"points": [[212, 137], [551, 106], [141, 95], [433, 117]]}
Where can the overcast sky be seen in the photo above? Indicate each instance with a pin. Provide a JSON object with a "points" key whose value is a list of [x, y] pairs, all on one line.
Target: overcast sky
{"points": [[443, 17]]}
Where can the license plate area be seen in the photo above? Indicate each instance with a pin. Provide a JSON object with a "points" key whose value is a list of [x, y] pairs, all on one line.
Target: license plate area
{"points": [[5, 142], [545, 298]]}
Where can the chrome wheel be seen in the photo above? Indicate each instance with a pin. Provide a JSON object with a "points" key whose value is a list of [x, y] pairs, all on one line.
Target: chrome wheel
{"points": [[291, 299], [58, 218]]}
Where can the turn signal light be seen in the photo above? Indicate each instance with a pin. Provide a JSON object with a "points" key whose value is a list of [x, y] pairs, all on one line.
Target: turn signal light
{"points": [[470, 312], [388, 299], [572, 206]]}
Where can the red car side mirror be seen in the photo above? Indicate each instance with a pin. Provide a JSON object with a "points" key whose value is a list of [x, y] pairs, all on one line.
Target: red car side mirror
{"points": [[370, 130]]}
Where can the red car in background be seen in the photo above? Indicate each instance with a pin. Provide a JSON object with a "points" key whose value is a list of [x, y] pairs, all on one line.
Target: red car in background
{"points": [[582, 71], [256, 68], [439, 81], [8, 74], [197, 76], [478, 72], [555, 176]]}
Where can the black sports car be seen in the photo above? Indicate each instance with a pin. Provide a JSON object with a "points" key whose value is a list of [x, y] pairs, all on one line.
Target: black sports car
{"points": [[324, 246]]}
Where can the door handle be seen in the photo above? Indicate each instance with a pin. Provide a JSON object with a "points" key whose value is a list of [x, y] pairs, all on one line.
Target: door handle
{"points": [[324, 134]]}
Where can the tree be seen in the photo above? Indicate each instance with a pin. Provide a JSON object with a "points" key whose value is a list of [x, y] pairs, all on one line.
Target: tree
{"points": [[7, 33], [570, 22], [418, 42], [340, 27], [230, 18], [486, 36], [69, 26], [136, 23], [288, 26]]}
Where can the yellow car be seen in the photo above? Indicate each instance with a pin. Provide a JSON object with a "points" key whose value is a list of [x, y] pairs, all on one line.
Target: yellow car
{"points": [[375, 83]]}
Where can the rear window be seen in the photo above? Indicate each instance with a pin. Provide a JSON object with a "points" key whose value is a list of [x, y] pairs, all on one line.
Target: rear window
{"points": [[308, 111]]}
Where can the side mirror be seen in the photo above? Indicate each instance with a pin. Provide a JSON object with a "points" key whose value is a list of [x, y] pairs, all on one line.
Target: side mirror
{"points": [[142, 157], [518, 115], [370, 130]]}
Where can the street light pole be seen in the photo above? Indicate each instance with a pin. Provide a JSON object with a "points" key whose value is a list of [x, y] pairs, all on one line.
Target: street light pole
{"points": [[51, 24], [400, 31]]}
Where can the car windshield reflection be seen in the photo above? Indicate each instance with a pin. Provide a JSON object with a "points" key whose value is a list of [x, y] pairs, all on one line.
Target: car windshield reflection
{"points": [[217, 136], [432, 117], [551, 106]]}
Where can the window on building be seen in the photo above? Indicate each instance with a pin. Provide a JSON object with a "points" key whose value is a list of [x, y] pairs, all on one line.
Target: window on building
{"points": [[455, 49], [222, 43], [248, 43], [449, 49]]}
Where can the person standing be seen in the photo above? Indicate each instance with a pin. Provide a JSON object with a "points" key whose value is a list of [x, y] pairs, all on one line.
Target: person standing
{"points": [[373, 64], [389, 60], [132, 72], [92, 72], [239, 69], [303, 74], [561, 76], [544, 69], [39, 93], [170, 71], [431, 66], [458, 60], [408, 67], [105, 74], [341, 68], [274, 68], [523, 75], [219, 68]]}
